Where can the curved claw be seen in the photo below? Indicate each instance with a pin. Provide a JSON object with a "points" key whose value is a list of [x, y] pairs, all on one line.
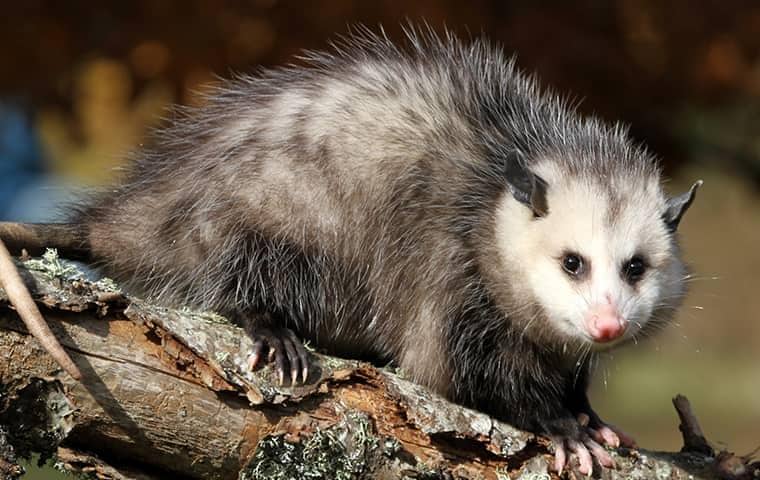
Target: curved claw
{"points": [[293, 360], [256, 354]]}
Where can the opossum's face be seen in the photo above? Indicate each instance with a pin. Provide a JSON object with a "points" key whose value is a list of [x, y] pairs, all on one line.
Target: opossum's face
{"points": [[599, 264]]}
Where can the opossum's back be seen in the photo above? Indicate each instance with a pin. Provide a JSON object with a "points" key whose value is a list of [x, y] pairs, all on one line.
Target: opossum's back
{"points": [[346, 162]]}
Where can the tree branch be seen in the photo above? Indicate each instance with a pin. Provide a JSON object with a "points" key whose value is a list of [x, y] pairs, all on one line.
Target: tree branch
{"points": [[166, 394]]}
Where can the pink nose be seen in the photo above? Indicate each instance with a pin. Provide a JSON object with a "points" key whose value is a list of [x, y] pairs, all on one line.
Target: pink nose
{"points": [[604, 323]]}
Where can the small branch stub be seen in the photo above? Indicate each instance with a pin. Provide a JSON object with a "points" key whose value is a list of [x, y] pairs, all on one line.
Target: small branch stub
{"points": [[693, 438]]}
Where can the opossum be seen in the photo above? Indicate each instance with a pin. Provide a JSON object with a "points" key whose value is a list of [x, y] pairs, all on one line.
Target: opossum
{"points": [[426, 204]]}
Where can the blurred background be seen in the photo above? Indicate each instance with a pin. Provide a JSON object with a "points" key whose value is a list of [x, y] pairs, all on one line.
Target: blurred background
{"points": [[81, 83]]}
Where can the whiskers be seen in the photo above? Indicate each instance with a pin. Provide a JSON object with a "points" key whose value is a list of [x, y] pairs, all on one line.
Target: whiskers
{"points": [[586, 358], [691, 278], [634, 335], [661, 320]]}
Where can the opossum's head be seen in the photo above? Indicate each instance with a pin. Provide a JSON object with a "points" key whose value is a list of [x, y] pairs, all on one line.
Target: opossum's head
{"points": [[596, 251]]}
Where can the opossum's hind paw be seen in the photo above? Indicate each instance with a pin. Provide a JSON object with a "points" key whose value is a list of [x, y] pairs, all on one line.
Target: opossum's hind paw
{"points": [[283, 347]]}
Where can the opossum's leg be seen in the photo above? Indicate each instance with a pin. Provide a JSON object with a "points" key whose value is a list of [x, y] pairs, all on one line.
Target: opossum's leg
{"points": [[569, 436], [278, 344]]}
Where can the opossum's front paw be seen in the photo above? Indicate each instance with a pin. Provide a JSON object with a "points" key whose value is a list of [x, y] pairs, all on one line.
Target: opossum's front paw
{"points": [[604, 433], [573, 438], [283, 347]]}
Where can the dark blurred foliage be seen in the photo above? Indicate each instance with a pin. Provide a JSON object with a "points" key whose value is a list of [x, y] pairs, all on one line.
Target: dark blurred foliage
{"points": [[663, 67]]}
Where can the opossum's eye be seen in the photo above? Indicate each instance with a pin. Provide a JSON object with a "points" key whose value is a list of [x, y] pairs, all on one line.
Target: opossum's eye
{"points": [[634, 269], [573, 264]]}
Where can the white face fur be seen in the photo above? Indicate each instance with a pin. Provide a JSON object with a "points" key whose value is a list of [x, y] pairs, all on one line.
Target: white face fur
{"points": [[606, 236]]}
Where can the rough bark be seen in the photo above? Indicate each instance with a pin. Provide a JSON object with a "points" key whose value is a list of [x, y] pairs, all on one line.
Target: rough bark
{"points": [[165, 394]]}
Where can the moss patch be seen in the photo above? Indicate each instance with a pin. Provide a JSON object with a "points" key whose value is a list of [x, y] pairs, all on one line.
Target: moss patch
{"points": [[342, 452]]}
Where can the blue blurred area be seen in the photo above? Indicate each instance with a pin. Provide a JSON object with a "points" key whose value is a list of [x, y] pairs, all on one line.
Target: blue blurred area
{"points": [[27, 192]]}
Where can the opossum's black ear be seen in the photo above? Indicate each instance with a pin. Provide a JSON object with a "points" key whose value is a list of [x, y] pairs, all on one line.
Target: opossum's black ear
{"points": [[527, 188], [677, 206]]}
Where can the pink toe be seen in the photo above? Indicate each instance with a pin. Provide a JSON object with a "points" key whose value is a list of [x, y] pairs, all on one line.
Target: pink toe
{"points": [[583, 419], [624, 439], [586, 463], [601, 455], [609, 437], [560, 459]]}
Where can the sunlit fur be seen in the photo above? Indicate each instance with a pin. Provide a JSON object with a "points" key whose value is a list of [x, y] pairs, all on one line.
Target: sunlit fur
{"points": [[362, 200]]}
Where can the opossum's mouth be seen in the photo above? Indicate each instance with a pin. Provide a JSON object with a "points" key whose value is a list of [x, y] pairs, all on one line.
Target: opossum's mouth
{"points": [[582, 335], [607, 345]]}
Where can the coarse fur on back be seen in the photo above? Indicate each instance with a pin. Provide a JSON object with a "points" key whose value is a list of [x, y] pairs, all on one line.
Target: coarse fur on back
{"points": [[424, 204]]}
